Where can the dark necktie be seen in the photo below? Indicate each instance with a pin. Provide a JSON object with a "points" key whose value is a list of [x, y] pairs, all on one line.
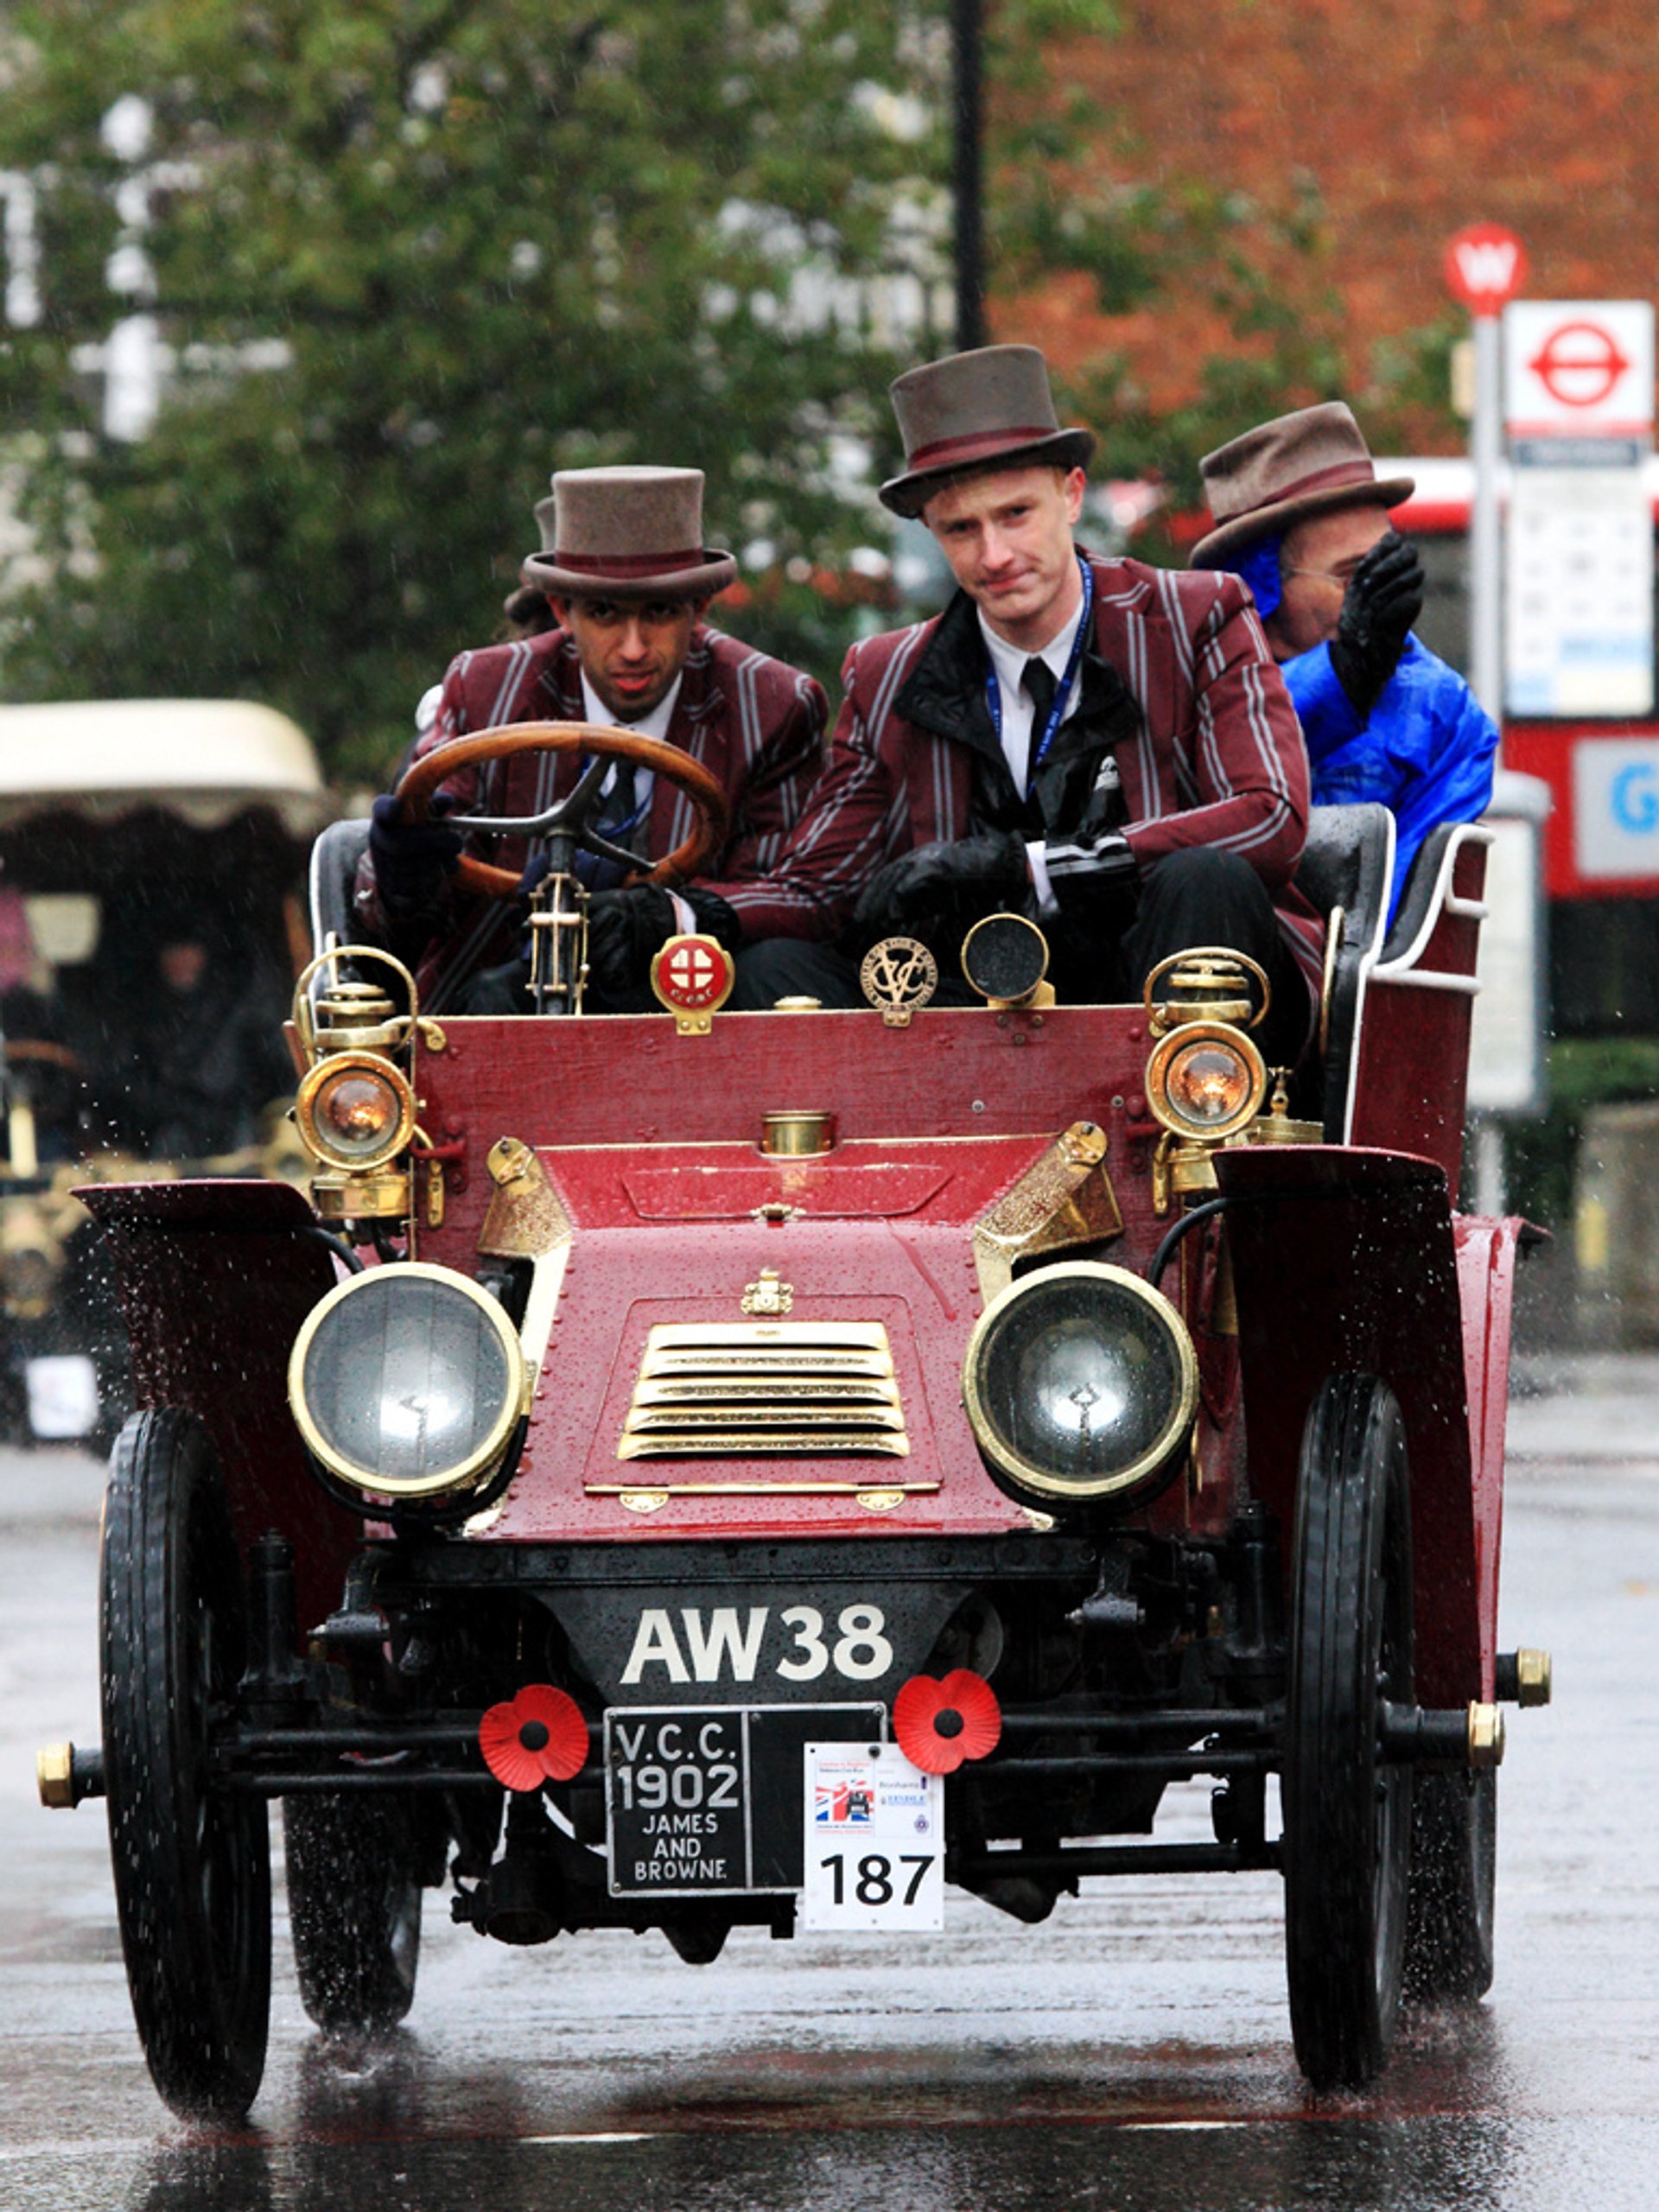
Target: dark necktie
{"points": [[619, 801], [616, 810], [1037, 683]]}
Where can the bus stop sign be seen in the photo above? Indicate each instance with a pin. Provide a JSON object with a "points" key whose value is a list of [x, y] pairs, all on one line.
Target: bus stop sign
{"points": [[1485, 265]]}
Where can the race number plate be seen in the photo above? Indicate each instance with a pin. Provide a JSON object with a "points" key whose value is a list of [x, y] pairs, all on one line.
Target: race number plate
{"points": [[704, 1799], [874, 1840]]}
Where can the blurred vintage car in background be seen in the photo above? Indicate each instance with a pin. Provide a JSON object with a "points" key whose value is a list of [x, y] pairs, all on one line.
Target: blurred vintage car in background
{"points": [[152, 862]]}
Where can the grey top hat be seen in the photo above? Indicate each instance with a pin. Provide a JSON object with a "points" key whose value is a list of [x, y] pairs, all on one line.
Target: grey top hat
{"points": [[989, 409], [1279, 473], [626, 533]]}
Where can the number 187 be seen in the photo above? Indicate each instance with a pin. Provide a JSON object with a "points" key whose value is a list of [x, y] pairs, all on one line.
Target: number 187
{"points": [[874, 1885]]}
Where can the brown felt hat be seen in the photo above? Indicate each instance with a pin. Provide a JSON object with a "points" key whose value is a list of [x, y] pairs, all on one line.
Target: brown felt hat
{"points": [[1274, 476], [626, 533], [989, 409]]}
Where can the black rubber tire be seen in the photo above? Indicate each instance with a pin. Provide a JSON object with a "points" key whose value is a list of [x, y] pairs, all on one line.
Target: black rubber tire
{"points": [[353, 1907], [1453, 1870], [1347, 1814], [192, 1857]]}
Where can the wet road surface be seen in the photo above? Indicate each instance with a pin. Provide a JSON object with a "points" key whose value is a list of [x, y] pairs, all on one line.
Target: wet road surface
{"points": [[1132, 2052]]}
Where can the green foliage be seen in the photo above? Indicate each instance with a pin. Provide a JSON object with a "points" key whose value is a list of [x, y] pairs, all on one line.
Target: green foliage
{"points": [[496, 238]]}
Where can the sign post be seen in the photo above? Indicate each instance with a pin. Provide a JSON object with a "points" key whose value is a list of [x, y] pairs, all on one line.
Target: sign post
{"points": [[1485, 266]]}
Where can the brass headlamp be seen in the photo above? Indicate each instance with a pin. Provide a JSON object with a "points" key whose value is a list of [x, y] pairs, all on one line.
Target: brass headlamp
{"points": [[408, 1383], [1081, 1383], [1205, 1082], [355, 1110], [1205, 1079]]}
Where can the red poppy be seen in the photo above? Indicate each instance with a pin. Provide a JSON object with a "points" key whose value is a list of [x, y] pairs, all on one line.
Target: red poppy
{"points": [[538, 1736], [939, 1725]]}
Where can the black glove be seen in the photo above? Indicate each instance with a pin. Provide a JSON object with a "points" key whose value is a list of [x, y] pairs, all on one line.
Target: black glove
{"points": [[411, 859], [1083, 869], [627, 929], [983, 872], [1383, 598]]}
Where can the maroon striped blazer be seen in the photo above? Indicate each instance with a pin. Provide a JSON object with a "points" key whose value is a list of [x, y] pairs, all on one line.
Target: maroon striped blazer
{"points": [[754, 722], [1216, 756]]}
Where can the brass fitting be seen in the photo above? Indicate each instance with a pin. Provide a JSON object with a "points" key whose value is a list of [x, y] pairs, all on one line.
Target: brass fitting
{"points": [[384, 1194], [1533, 1675], [1485, 1735], [798, 1134], [64, 1775], [53, 1776]]}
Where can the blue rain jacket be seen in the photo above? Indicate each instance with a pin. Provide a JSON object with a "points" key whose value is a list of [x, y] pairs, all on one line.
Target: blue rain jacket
{"points": [[1426, 751]]}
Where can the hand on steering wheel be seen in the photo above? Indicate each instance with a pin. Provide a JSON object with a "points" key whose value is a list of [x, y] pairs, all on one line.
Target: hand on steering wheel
{"points": [[575, 811]]}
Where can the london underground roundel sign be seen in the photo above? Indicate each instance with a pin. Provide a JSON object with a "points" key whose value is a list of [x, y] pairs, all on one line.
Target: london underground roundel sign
{"points": [[1485, 266]]}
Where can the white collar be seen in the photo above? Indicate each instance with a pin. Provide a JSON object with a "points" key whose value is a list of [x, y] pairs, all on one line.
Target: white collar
{"points": [[1009, 661], [654, 724]]}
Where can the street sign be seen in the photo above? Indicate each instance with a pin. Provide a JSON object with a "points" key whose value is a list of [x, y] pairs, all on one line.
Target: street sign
{"points": [[1579, 368], [1484, 266], [1616, 809], [1579, 587], [1579, 386]]}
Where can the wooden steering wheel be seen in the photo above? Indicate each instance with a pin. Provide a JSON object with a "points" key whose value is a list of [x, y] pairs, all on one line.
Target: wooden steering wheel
{"points": [[575, 812]]}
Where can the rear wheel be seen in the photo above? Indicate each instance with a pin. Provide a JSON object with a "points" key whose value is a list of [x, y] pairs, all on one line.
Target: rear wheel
{"points": [[1347, 1814], [1454, 1865], [191, 1854], [354, 1908]]}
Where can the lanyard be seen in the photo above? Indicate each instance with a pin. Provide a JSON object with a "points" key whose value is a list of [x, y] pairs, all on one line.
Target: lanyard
{"points": [[1038, 753]]}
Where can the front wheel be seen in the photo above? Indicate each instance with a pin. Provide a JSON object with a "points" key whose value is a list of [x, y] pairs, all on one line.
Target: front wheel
{"points": [[191, 1854], [1347, 1814]]}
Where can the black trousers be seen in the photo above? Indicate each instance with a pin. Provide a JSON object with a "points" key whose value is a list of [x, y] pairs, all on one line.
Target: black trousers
{"points": [[1199, 896]]}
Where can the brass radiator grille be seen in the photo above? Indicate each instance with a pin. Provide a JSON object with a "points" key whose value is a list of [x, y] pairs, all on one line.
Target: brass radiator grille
{"points": [[748, 1388]]}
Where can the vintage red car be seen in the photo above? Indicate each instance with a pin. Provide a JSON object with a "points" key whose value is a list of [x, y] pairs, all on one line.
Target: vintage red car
{"points": [[695, 1468]]}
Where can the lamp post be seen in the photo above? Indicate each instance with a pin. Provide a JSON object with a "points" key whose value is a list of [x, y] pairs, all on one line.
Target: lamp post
{"points": [[968, 172]]}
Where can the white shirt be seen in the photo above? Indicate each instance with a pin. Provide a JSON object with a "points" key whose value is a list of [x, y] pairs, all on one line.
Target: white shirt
{"points": [[1018, 715], [654, 724]]}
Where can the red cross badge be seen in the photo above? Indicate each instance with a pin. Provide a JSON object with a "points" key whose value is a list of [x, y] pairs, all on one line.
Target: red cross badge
{"points": [[693, 975]]}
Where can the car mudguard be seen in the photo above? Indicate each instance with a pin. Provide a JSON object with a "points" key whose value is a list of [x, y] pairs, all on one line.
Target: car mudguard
{"points": [[216, 1276], [1346, 1262]]}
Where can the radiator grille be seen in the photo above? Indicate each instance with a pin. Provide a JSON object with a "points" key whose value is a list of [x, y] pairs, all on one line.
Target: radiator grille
{"points": [[746, 1389]]}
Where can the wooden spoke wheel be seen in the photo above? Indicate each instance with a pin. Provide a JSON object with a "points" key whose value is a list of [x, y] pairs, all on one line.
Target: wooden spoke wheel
{"points": [[1450, 1907], [191, 1854], [1347, 1814], [354, 1908]]}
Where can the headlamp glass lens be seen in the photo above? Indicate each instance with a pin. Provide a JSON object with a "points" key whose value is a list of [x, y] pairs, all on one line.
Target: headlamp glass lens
{"points": [[1081, 1378], [408, 1383], [357, 1110], [1208, 1082]]}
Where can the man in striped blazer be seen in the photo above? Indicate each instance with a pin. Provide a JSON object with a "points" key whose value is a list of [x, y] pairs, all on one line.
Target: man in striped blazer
{"points": [[630, 580], [1105, 746]]}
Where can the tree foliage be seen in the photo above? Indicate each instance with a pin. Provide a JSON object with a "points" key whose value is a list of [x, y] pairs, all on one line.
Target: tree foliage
{"points": [[490, 238], [496, 238]]}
